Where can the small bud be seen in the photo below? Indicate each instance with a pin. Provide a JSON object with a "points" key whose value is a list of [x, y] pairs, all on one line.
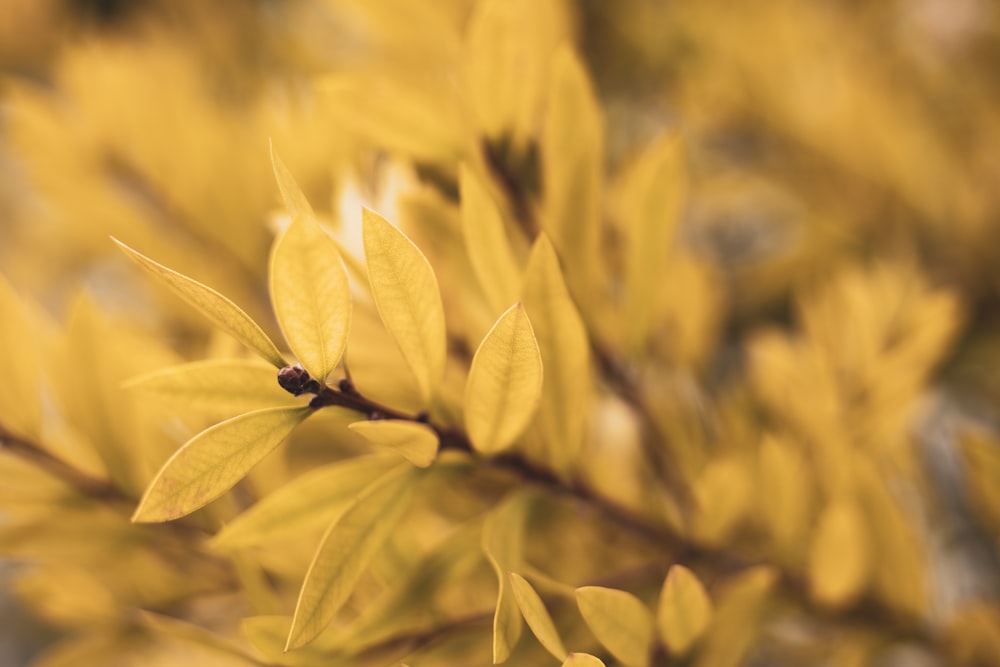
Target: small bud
{"points": [[346, 386], [296, 381], [423, 417]]}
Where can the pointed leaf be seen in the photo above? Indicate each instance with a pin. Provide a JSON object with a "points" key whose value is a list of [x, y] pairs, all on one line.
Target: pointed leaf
{"points": [[311, 295], [221, 311], [537, 616], [565, 349], [505, 383], [291, 194], [417, 443], [20, 361], [684, 610], [346, 550], [839, 564], [213, 461], [309, 502], [503, 544], [620, 621], [408, 299], [233, 385], [486, 243], [582, 660]]}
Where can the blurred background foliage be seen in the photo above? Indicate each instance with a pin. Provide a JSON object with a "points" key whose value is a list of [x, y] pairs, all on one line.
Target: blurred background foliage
{"points": [[832, 278]]}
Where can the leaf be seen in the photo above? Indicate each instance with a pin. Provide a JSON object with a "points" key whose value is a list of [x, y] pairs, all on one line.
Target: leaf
{"points": [[505, 383], [684, 611], [582, 660], [213, 461], [486, 243], [311, 295], [291, 194], [503, 544], [20, 362], [408, 299], [309, 502], [217, 308], [537, 616], [620, 621], [417, 443], [346, 550], [231, 385], [564, 346], [839, 562]]}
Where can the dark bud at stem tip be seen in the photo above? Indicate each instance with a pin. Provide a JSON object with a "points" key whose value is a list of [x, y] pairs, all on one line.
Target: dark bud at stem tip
{"points": [[423, 417], [347, 387], [296, 381]]}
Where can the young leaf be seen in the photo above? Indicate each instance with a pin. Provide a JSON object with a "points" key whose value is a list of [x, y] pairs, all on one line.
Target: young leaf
{"points": [[582, 660], [562, 340], [221, 311], [684, 610], [309, 502], [504, 384], [408, 299], [839, 564], [503, 544], [233, 385], [417, 443], [291, 194], [213, 461], [311, 295], [620, 621], [486, 243], [537, 616], [346, 550]]}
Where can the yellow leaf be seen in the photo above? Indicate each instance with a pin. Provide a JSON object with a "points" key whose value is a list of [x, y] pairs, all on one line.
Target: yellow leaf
{"points": [[20, 367], [564, 346], [408, 299], [346, 550], [684, 611], [503, 544], [220, 310], [231, 385], [309, 502], [486, 243], [620, 621], [839, 561], [537, 616], [213, 461], [582, 660], [784, 493], [505, 383], [291, 194], [311, 295], [723, 492], [415, 442]]}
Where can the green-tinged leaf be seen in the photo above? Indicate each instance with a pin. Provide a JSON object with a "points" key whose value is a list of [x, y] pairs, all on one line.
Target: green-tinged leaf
{"points": [[20, 367], [582, 660], [563, 343], [291, 194], [503, 544], [220, 310], [505, 383], [417, 443], [839, 561], [487, 245], [652, 202], [620, 621], [537, 616], [311, 295], [230, 385], [213, 461], [309, 502], [346, 550], [684, 611], [408, 299]]}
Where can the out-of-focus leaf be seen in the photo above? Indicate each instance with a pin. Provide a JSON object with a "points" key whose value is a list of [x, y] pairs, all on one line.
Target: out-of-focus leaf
{"points": [[408, 299], [233, 385], [503, 544], [981, 456], [311, 295], [582, 660], [505, 383], [742, 610], [723, 492], [346, 550], [267, 635], [291, 194], [417, 443], [310, 502], [684, 611], [784, 493], [220, 310], [839, 560], [213, 461], [20, 367], [563, 343], [620, 621], [487, 245], [537, 616]]}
